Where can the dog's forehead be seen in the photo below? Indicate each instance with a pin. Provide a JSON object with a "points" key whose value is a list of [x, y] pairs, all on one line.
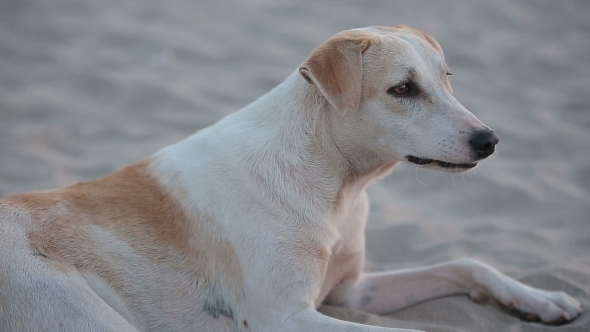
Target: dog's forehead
{"points": [[397, 47], [412, 36]]}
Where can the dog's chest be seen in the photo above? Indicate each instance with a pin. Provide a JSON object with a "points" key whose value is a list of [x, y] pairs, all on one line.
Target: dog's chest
{"points": [[344, 265], [345, 262], [347, 251]]}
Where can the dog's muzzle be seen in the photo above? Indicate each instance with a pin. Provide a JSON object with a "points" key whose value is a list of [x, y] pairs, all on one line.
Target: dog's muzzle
{"points": [[482, 143]]}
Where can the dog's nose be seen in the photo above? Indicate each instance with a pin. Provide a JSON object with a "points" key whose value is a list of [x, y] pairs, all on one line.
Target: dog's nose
{"points": [[483, 142]]}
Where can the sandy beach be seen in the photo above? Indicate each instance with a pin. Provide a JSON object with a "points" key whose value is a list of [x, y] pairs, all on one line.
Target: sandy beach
{"points": [[87, 87]]}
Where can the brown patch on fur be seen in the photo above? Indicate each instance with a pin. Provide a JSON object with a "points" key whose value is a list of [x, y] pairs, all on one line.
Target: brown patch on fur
{"points": [[76, 226], [336, 68]]}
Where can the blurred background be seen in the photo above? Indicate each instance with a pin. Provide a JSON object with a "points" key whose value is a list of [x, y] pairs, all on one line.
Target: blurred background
{"points": [[87, 87]]}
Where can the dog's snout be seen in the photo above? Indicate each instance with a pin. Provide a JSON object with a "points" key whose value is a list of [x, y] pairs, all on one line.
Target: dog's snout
{"points": [[483, 142]]}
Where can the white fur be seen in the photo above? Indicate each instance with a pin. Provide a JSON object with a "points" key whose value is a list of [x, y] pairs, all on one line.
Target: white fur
{"points": [[284, 180]]}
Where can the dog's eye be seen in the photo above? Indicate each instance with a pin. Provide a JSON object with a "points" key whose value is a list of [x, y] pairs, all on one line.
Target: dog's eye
{"points": [[402, 90]]}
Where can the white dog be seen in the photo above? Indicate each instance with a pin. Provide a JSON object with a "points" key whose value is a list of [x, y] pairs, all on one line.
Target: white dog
{"points": [[250, 224]]}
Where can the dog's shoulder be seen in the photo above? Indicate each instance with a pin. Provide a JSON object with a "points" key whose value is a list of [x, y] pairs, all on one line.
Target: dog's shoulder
{"points": [[130, 205]]}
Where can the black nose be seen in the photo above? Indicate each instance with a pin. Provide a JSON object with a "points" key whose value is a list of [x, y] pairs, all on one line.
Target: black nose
{"points": [[483, 142]]}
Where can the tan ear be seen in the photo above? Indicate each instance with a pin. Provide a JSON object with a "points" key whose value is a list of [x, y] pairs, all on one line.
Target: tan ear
{"points": [[336, 68], [430, 40]]}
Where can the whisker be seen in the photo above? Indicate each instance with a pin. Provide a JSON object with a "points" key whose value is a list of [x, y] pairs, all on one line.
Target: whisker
{"points": [[456, 60], [408, 182], [418, 178], [454, 56], [444, 175], [452, 53]]}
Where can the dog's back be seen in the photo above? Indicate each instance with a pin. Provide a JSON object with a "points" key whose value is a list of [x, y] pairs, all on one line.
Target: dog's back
{"points": [[36, 294], [120, 240]]}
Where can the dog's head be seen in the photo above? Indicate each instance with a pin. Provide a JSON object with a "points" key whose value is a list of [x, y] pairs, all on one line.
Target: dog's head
{"points": [[393, 98]]}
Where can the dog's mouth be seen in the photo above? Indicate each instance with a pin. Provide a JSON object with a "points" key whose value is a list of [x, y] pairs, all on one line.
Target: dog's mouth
{"points": [[423, 161]]}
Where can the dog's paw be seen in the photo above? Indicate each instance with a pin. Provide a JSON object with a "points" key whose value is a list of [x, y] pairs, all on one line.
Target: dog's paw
{"points": [[549, 307]]}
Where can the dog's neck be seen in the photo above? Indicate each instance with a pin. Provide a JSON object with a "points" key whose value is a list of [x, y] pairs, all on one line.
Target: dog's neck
{"points": [[301, 123], [284, 142]]}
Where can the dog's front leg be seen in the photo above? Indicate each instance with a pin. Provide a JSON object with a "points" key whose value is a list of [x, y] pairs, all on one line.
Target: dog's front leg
{"points": [[386, 292], [310, 320]]}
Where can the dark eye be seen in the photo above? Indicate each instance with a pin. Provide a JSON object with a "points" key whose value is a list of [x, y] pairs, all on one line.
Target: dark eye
{"points": [[402, 90]]}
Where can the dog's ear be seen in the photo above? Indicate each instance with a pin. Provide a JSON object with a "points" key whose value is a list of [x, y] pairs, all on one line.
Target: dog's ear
{"points": [[336, 68], [430, 40]]}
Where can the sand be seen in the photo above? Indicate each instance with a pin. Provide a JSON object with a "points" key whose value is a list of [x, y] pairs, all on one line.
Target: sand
{"points": [[87, 87]]}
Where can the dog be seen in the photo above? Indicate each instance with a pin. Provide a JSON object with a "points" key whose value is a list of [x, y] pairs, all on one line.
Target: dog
{"points": [[250, 224]]}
